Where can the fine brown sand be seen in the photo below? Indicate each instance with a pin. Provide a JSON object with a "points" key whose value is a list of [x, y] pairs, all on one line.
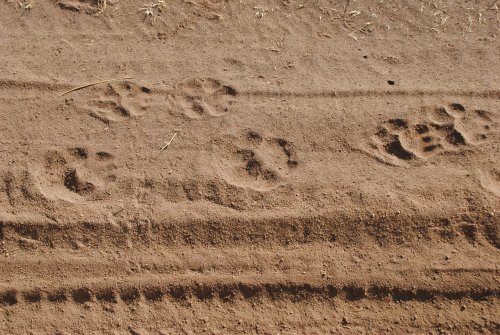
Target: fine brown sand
{"points": [[332, 167]]}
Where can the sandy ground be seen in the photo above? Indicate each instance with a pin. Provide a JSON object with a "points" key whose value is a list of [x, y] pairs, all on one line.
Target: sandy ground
{"points": [[327, 167]]}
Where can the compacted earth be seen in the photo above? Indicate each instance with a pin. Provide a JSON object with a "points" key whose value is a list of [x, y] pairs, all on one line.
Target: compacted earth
{"points": [[249, 166]]}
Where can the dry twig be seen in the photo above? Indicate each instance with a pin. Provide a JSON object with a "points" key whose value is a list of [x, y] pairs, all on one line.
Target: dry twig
{"points": [[93, 84], [166, 144], [152, 10], [492, 4], [359, 30], [26, 5]]}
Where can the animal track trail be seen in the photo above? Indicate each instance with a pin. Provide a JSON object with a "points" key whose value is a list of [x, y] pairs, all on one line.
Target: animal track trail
{"points": [[255, 161], [76, 173], [120, 101], [202, 97], [443, 129]]}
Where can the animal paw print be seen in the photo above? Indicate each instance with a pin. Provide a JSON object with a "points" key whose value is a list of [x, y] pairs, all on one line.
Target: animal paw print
{"points": [[120, 102], [444, 129], [256, 161], [77, 173], [202, 97], [430, 136], [389, 139], [474, 126]]}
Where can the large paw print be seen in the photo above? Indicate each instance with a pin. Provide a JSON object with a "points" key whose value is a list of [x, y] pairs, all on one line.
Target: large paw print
{"points": [[475, 125], [119, 102], [76, 173], [255, 161], [202, 97], [443, 129], [388, 139]]}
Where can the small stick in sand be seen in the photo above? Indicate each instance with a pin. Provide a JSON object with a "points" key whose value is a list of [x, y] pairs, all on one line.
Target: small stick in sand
{"points": [[345, 7], [118, 211], [166, 144], [492, 4], [344, 17], [92, 84], [359, 30], [26, 5]]}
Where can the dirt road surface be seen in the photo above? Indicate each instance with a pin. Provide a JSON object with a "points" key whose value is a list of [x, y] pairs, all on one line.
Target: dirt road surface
{"points": [[265, 167]]}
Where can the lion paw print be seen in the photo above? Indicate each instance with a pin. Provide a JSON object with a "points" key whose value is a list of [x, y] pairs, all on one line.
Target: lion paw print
{"points": [[256, 161], [443, 129], [119, 102], [202, 97], [77, 172]]}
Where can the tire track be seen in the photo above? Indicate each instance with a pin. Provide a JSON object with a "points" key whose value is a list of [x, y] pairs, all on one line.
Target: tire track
{"points": [[231, 291], [390, 229], [487, 94], [293, 273]]}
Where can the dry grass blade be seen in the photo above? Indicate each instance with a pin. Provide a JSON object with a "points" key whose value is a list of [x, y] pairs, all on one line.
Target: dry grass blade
{"points": [[153, 10], [166, 144], [492, 4], [93, 84], [362, 29], [26, 5]]}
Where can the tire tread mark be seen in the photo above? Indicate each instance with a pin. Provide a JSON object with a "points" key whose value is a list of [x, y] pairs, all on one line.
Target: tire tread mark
{"points": [[227, 292]]}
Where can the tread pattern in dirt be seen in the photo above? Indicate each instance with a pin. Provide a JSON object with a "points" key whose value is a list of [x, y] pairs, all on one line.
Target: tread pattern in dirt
{"points": [[227, 292], [387, 230]]}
